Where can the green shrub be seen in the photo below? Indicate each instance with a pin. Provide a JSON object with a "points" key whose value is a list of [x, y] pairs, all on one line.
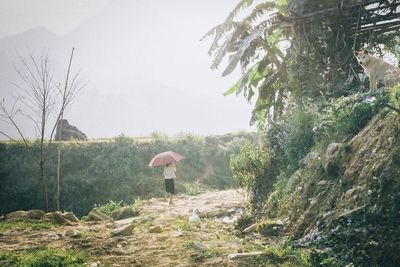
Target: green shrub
{"points": [[394, 96], [249, 168], [344, 117], [192, 189], [109, 207]]}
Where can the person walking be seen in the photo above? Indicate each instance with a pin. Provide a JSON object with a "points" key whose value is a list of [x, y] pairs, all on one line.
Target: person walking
{"points": [[169, 175]]}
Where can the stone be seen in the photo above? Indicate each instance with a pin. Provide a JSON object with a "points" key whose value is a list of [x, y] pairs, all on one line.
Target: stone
{"points": [[322, 183], [53, 235], [68, 132], [199, 246], [55, 218], [308, 159], [70, 216], [155, 229], [110, 225], [96, 215], [352, 213], [251, 228], [123, 230], [332, 157], [35, 214], [19, 215], [177, 234], [246, 255], [72, 233], [146, 219], [194, 217]]}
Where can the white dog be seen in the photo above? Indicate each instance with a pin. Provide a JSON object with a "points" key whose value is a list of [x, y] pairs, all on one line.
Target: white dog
{"points": [[377, 70]]}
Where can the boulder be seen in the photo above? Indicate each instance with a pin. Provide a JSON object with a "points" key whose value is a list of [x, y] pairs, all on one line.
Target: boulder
{"points": [[35, 214], [56, 218], [19, 215], [70, 216], [123, 230], [123, 213], [332, 158], [96, 215], [199, 246], [155, 229], [250, 228]]}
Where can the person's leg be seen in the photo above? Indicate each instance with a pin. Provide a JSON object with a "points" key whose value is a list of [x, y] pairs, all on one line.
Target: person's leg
{"points": [[172, 190], [166, 196]]}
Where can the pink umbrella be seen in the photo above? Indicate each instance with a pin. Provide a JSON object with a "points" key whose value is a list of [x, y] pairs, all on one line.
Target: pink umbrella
{"points": [[164, 158]]}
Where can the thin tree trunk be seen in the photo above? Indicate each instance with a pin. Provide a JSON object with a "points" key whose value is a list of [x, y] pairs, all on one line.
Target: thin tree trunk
{"points": [[59, 163], [60, 122], [44, 185]]}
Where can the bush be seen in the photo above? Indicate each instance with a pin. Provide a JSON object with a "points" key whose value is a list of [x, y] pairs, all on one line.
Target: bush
{"points": [[344, 117], [109, 207], [192, 189], [394, 96], [249, 168]]}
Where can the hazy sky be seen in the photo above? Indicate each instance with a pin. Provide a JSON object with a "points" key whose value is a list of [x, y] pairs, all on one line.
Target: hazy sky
{"points": [[146, 67]]}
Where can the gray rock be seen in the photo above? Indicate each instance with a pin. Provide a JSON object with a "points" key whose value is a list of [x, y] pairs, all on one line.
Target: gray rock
{"points": [[72, 233], [199, 246], [70, 216], [246, 255], [155, 229], [19, 215], [96, 215], [332, 157], [123, 230], [251, 228], [53, 235], [35, 214], [308, 158], [55, 218]]}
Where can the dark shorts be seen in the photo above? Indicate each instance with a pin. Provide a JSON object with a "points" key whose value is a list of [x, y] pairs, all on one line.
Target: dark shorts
{"points": [[170, 186]]}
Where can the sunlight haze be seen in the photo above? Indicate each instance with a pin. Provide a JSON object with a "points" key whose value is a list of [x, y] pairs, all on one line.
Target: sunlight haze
{"points": [[146, 67]]}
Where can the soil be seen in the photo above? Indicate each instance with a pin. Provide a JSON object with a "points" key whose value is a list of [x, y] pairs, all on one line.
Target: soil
{"points": [[162, 235]]}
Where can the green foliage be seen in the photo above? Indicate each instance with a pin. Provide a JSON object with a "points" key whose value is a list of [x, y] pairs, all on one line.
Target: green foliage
{"points": [[249, 169], [95, 172], [394, 96], [110, 207], [283, 54], [192, 189], [344, 117], [249, 165], [44, 258]]}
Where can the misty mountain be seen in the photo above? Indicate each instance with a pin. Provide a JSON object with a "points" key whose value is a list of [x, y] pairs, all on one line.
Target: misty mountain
{"points": [[146, 68]]}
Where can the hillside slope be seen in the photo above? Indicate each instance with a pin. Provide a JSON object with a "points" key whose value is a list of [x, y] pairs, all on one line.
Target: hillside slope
{"points": [[346, 200]]}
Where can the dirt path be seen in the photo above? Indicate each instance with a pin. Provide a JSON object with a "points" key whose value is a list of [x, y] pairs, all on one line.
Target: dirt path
{"points": [[162, 235]]}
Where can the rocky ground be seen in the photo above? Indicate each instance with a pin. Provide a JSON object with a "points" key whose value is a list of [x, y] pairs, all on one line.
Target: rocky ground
{"points": [[160, 236]]}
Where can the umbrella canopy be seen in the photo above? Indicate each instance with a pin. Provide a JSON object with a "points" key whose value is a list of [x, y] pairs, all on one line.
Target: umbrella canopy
{"points": [[164, 158]]}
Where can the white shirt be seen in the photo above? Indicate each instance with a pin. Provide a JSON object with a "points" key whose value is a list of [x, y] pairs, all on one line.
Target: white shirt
{"points": [[169, 172]]}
